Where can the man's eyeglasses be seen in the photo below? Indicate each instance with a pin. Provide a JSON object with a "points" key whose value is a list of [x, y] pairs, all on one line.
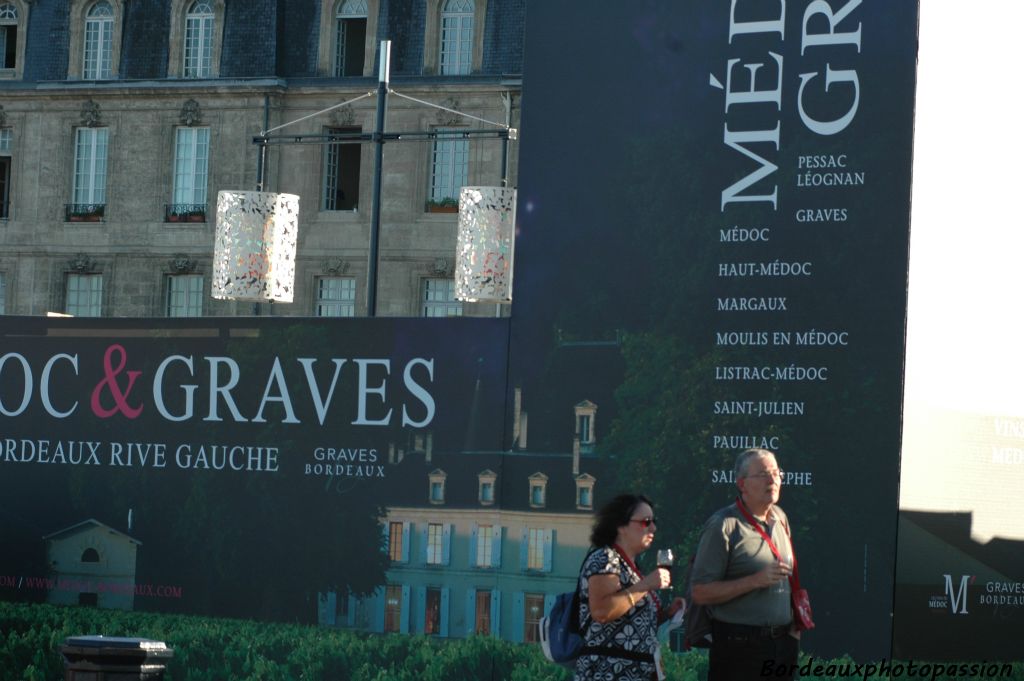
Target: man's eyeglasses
{"points": [[646, 522], [766, 475]]}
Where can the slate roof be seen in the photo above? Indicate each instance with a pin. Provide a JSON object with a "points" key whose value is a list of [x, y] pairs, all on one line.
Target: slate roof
{"points": [[265, 38], [408, 481]]}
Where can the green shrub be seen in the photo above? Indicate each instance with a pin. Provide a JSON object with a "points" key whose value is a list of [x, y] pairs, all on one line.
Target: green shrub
{"points": [[207, 649]]}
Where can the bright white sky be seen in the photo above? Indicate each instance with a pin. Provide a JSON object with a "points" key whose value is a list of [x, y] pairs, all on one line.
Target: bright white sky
{"points": [[965, 317], [967, 229]]}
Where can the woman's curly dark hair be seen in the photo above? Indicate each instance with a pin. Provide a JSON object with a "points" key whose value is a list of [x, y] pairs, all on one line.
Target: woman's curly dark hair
{"points": [[614, 515]]}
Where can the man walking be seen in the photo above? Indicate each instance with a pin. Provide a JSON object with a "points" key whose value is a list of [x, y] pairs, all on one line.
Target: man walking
{"points": [[745, 587]]}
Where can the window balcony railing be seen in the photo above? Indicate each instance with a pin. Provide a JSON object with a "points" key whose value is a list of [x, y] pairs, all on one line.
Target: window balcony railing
{"points": [[84, 212], [185, 212]]}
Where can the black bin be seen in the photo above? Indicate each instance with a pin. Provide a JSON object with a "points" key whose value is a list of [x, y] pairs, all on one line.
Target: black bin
{"points": [[110, 658]]}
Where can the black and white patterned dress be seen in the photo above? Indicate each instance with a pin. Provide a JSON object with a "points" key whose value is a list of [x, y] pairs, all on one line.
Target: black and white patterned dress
{"points": [[636, 630]]}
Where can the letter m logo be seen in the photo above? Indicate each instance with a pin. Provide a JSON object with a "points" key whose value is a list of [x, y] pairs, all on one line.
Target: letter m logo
{"points": [[959, 599]]}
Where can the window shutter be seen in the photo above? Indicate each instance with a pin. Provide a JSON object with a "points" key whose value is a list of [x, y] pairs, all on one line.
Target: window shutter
{"points": [[378, 610], [446, 544], [524, 549], [421, 610], [496, 614], [445, 598], [350, 617], [385, 533], [473, 562], [404, 615], [518, 617], [406, 532], [423, 544], [470, 612], [549, 549], [496, 546]]}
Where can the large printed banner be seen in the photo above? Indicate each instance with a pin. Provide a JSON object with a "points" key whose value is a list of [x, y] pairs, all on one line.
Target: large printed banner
{"points": [[714, 210], [715, 215], [226, 467]]}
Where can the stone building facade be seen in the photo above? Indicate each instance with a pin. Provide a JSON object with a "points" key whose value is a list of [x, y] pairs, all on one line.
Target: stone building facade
{"points": [[122, 119]]}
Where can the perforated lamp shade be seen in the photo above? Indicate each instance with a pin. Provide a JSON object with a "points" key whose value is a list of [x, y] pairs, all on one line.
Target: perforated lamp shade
{"points": [[254, 251], [486, 244]]}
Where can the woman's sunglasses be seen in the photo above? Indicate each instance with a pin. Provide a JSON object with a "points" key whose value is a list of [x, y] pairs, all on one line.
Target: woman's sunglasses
{"points": [[646, 522]]}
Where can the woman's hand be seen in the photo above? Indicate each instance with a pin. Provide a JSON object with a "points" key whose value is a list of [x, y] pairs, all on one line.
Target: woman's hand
{"points": [[659, 579], [675, 606]]}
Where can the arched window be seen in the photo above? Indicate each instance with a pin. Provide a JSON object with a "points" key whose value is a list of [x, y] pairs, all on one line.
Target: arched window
{"points": [[90, 556], [350, 38], [456, 37], [198, 50], [8, 35], [99, 42]]}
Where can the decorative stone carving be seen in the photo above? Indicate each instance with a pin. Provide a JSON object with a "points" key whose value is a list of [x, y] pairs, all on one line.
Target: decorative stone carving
{"points": [[335, 266], [443, 267], [443, 117], [343, 117], [180, 263], [190, 114], [91, 114], [81, 263]]}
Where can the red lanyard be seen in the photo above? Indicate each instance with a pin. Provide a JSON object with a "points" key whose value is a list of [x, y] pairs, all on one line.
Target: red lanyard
{"points": [[629, 561], [794, 578]]}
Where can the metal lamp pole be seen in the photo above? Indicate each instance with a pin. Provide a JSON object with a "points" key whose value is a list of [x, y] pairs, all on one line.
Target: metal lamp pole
{"points": [[378, 141]]}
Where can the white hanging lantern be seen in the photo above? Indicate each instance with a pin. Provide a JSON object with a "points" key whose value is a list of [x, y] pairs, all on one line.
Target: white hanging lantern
{"points": [[486, 244], [254, 252]]}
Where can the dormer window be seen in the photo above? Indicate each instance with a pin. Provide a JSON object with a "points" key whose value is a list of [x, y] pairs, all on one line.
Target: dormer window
{"points": [[585, 492], [538, 490], [485, 489], [90, 556], [586, 413], [437, 483]]}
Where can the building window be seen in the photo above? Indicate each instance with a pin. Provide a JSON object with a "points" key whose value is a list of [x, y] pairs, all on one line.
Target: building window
{"points": [[485, 490], [84, 295], [485, 545], [437, 481], [191, 167], [185, 295], [395, 542], [449, 167], [535, 549], [3, 293], [341, 173], [432, 612], [392, 608], [97, 60], [88, 598], [336, 297], [439, 298], [482, 625], [9, 35], [350, 38], [198, 50], [456, 37], [585, 491], [586, 414], [534, 611], [538, 490], [90, 182], [5, 172], [90, 556], [435, 544]]}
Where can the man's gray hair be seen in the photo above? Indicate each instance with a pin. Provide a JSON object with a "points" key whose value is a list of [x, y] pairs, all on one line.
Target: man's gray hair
{"points": [[744, 458]]}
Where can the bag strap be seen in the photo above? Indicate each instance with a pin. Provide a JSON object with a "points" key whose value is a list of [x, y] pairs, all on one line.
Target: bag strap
{"points": [[794, 577]]}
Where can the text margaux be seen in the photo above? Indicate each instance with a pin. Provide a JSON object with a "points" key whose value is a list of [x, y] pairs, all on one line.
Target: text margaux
{"points": [[362, 391]]}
